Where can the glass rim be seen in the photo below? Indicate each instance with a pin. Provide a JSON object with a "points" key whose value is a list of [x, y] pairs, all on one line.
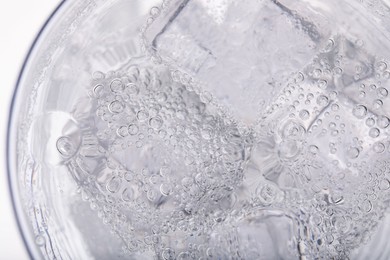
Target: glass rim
{"points": [[16, 207]]}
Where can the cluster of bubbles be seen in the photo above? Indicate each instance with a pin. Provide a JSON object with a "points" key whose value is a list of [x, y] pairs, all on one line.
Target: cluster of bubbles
{"points": [[337, 147], [157, 164], [175, 178]]}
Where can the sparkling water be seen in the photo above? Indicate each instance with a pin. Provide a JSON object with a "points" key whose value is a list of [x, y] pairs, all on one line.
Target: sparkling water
{"points": [[248, 132]]}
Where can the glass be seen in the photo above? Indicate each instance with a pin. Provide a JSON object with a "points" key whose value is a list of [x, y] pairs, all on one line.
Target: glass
{"points": [[205, 129]]}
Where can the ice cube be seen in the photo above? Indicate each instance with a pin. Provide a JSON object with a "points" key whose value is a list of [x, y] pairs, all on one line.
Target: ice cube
{"points": [[242, 54]]}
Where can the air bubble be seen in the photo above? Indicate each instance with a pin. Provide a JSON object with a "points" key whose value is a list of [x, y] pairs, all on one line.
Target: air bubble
{"points": [[383, 122], [66, 147], [129, 176], [128, 194], [114, 185], [133, 129], [381, 66], [322, 100], [337, 71], [98, 75], [154, 11], [370, 122], [374, 132], [161, 97], [116, 107], [142, 115], [382, 92], [304, 114], [207, 133], [353, 152], [40, 240], [151, 195], [377, 103], [299, 77], [379, 147], [359, 111], [132, 89], [335, 107], [116, 86], [206, 97], [98, 90], [322, 84], [365, 206], [122, 131], [384, 184], [267, 193], [313, 149], [165, 171], [168, 254], [166, 189], [156, 122]]}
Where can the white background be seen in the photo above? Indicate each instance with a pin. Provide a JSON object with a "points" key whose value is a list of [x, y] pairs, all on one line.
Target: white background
{"points": [[20, 21]]}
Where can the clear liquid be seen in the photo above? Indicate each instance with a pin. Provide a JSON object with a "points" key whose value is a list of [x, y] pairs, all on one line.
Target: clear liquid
{"points": [[172, 176], [178, 170]]}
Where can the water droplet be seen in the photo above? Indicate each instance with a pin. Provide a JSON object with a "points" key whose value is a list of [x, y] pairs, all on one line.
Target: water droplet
{"points": [[374, 132], [383, 121], [359, 111], [379, 147], [156, 122], [133, 129], [116, 85], [66, 146]]}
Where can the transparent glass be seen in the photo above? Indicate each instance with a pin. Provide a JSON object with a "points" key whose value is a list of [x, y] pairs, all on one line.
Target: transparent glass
{"points": [[197, 129]]}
